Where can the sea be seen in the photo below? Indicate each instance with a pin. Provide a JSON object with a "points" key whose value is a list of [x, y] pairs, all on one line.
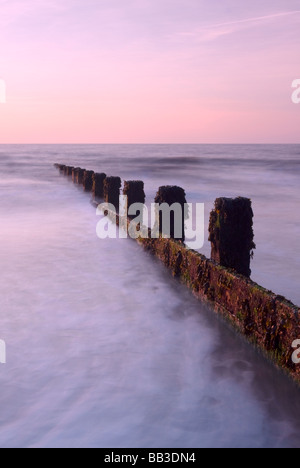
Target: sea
{"points": [[104, 348]]}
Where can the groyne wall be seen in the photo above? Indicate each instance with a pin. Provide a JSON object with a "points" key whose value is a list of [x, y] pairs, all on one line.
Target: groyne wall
{"points": [[268, 320]]}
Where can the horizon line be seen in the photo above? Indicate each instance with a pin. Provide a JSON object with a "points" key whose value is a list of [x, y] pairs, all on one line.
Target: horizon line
{"points": [[145, 144]]}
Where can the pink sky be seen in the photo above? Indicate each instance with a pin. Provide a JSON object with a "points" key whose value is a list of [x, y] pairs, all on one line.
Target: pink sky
{"points": [[149, 71]]}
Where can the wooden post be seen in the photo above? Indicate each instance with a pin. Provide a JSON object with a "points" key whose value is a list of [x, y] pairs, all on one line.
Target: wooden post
{"points": [[69, 170], [112, 187], [88, 181], [231, 234], [74, 174], [134, 190], [172, 195], [80, 176], [98, 185]]}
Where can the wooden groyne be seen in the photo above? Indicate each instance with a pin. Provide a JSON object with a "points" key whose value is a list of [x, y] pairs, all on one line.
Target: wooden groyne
{"points": [[268, 320]]}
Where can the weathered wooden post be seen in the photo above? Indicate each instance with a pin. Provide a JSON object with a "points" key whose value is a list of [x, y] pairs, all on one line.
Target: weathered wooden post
{"points": [[231, 234], [74, 174], [80, 176], [171, 200], [88, 181], [134, 190], [98, 185], [69, 170], [112, 187]]}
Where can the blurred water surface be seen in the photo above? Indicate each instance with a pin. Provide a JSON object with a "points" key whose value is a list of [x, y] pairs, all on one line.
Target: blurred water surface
{"points": [[104, 348]]}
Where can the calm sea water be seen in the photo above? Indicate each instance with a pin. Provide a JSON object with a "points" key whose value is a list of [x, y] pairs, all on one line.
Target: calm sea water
{"points": [[104, 348]]}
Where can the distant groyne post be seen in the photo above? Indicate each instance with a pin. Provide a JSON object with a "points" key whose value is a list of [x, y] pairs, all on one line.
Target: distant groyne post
{"points": [[134, 191], [74, 174], [68, 170], [88, 181], [112, 187], [171, 198], [231, 234], [80, 176], [98, 185], [60, 167]]}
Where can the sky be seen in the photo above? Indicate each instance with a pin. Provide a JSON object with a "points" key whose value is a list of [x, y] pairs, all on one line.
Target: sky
{"points": [[149, 71]]}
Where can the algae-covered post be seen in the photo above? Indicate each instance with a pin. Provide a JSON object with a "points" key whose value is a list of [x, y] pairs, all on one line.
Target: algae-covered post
{"points": [[134, 190], [80, 176], [74, 174], [112, 187], [170, 211], [69, 170], [98, 185], [88, 181], [231, 234]]}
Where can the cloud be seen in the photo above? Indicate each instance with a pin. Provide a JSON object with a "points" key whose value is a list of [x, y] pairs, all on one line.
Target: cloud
{"points": [[12, 10], [214, 31], [259, 18]]}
